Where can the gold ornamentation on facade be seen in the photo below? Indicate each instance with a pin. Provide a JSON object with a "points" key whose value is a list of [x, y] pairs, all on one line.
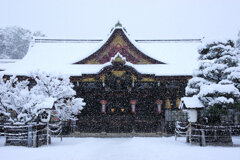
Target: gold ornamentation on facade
{"points": [[93, 61], [178, 102], [88, 80], [118, 40], [118, 73], [134, 78], [145, 79], [102, 78], [119, 60], [168, 104]]}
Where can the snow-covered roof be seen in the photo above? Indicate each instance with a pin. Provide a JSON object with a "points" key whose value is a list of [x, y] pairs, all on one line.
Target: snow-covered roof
{"points": [[191, 102], [5, 62], [59, 55]]}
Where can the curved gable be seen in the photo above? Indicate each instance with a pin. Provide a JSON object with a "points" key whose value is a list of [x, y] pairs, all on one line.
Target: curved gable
{"points": [[118, 42]]}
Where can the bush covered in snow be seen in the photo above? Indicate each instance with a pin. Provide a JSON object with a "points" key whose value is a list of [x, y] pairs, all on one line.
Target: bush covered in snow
{"points": [[21, 103]]}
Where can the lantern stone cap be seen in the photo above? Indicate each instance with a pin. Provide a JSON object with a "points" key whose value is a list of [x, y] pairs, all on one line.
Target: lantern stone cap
{"points": [[159, 101], [133, 101], [46, 104], [103, 102], [190, 103]]}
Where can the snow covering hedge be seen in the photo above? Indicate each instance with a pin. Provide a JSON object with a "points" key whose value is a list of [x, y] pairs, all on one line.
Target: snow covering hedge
{"points": [[21, 103]]}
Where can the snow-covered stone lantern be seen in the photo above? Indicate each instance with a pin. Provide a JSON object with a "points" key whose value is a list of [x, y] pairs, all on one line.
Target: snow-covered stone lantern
{"points": [[46, 106], [191, 105], [45, 116]]}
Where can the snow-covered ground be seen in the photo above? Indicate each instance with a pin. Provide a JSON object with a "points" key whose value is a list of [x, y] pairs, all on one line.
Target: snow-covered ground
{"points": [[120, 149]]}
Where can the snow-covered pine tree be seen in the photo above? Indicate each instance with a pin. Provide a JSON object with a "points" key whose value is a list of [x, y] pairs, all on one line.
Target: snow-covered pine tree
{"points": [[14, 42], [238, 41], [210, 81]]}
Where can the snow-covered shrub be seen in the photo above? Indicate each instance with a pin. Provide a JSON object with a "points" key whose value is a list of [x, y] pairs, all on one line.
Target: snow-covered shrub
{"points": [[58, 87], [17, 102], [21, 103]]}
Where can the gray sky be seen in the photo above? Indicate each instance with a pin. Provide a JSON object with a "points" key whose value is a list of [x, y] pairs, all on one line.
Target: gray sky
{"points": [[142, 18]]}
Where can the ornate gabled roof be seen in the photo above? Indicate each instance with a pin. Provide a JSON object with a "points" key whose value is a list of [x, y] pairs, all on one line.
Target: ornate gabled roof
{"points": [[92, 55], [118, 42]]}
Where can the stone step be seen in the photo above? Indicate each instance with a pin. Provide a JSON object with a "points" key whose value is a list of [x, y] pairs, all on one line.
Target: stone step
{"points": [[104, 134]]}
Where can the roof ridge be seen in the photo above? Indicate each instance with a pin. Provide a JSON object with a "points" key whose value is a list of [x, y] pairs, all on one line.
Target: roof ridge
{"points": [[71, 40]]}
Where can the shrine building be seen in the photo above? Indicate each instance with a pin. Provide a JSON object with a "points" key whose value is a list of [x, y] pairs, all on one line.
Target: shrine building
{"points": [[129, 85]]}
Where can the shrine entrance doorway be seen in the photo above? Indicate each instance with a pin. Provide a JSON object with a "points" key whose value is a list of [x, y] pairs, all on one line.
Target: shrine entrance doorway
{"points": [[119, 118]]}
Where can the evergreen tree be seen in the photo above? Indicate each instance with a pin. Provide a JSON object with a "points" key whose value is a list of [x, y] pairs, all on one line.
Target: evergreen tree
{"points": [[211, 82], [238, 41], [14, 42]]}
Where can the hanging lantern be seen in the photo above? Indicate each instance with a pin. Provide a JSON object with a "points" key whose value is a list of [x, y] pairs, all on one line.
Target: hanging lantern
{"points": [[159, 106], [55, 116], [103, 103], [133, 106]]}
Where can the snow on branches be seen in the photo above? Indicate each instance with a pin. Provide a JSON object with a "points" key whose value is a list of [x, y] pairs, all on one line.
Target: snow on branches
{"points": [[22, 102], [17, 102], [216, 81], [60, 88]]}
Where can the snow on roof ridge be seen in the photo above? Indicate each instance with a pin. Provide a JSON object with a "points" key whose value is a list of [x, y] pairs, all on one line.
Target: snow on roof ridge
{"points": [[168, 40], [65, 40], [9, 60], [70, 40], [118, 25]]}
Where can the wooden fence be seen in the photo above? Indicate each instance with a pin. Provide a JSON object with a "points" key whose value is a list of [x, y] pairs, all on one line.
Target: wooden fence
{"points": [[211, 134], [207, 134], [1, 130], [32, 135]]}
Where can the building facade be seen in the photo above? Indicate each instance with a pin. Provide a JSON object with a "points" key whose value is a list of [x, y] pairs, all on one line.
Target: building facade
{"points": [[125, 89]]}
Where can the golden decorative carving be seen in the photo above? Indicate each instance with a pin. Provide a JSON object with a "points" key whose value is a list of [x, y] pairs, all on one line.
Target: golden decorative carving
{"points": [[118, 73], [178, 102], [134, 78], [145, 79], [88, 80], [118, 40], [167, 104], [102, 78]]}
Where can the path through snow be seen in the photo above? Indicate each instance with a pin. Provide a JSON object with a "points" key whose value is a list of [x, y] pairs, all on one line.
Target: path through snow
{"points": [[120, 149]]}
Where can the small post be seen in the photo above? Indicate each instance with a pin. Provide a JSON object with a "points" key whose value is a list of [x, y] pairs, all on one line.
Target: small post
{"points": [[203, 139], [190, 133], [30, 138], [35, 138], [61, 132], [47, 132], [176, 125]]}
